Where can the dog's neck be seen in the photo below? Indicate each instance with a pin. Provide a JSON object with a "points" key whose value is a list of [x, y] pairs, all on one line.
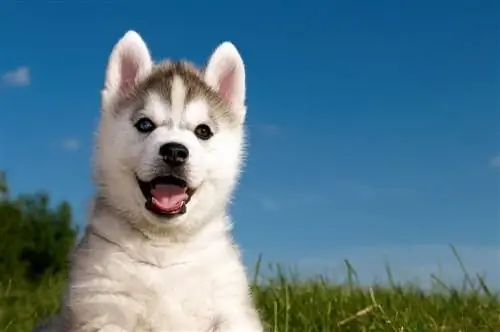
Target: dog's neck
{"points": [[148, 245]]}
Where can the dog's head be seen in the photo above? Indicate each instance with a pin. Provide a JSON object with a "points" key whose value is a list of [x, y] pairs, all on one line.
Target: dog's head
{"points": [[170, 140]]}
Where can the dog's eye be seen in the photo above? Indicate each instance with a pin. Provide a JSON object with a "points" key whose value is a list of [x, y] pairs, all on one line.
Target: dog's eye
{"points": [[145, 125], [203, 132]]}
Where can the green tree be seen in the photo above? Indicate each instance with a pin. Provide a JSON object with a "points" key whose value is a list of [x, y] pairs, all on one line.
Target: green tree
{"points": [[4, 189], [35, 238]]}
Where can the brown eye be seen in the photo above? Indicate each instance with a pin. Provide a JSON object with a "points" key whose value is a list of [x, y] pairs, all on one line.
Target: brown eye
{"points": [[203, 132]]}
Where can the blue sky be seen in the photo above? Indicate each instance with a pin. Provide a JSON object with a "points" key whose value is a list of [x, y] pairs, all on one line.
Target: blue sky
{"points": [[374, 126]]}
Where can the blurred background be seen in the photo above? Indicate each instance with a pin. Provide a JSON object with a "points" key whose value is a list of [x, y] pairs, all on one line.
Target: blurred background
{"points": [[373, 128]]}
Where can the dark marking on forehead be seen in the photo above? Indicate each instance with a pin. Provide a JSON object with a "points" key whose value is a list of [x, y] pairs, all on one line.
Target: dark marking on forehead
{"points": [[161, 78]]}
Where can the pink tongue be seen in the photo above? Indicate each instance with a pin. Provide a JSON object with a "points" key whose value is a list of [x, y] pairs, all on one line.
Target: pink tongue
{"points": [[168, 197]]}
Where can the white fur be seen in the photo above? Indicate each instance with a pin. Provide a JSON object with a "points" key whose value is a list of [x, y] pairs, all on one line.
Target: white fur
{"points": [[178, 96], [134, 271]]}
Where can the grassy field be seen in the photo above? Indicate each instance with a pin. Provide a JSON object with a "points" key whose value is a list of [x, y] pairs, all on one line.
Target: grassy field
{"points": [[287, 304]]}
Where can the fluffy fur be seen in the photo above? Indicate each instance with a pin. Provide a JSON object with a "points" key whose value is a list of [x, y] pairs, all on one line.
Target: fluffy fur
{"points": [[135, 270]]}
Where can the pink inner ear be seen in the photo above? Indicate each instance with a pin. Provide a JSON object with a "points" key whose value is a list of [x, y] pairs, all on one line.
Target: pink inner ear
{"points": [[226, 85], [128, 73]]}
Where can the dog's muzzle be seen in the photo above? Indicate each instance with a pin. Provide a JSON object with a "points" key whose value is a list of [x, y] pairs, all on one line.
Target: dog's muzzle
{"points": [[166, 196]]}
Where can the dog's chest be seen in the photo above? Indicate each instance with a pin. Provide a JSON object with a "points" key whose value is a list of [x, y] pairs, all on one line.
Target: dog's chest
{"points": [[182, 297]]}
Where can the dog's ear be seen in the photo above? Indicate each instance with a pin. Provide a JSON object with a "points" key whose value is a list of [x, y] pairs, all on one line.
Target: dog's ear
{"points": [[129, 62], [225, 72]]}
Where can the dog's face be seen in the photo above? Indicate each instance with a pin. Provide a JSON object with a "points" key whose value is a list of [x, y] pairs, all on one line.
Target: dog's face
{"points": [[170, 141]]}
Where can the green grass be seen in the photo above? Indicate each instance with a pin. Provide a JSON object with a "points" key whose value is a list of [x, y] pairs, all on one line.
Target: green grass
{"points": [[288, 304]]}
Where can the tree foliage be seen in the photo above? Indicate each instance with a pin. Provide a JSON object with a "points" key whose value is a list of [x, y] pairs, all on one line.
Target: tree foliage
{"points": [[35, 237]]}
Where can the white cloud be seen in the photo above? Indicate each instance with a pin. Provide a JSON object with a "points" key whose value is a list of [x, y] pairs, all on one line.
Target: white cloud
{"points": [[281, 200], [495, 161], [268, 204], [17, 78], [71, 144], [408, 263], [270, 130], [370, 192]]}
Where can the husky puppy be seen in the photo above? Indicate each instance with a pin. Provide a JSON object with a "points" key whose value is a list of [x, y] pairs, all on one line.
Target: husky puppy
{"points": [[157, 254]]}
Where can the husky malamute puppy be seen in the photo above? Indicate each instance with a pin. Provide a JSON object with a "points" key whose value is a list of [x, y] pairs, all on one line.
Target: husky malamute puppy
{"points": [[157, 254]]}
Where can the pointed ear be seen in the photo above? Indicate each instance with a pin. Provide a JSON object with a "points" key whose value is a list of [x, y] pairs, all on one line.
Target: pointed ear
{"points": [[225, 72], [128, 63]]}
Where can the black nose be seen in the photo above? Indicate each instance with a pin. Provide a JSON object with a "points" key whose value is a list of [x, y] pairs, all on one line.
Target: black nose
{"points": [[174, 154]]}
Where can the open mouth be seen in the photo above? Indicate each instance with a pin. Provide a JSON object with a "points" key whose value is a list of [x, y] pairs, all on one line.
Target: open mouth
{"points": [[166, 195]]}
